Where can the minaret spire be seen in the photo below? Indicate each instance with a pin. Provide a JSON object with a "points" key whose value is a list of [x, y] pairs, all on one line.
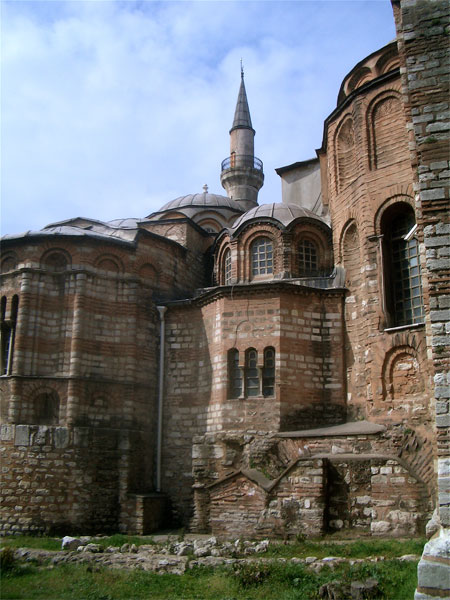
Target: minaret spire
{"points": [[242, 113], [242, 173]]}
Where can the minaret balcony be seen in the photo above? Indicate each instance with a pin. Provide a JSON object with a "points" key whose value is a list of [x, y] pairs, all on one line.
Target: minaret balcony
{"points": [[239, 161]]}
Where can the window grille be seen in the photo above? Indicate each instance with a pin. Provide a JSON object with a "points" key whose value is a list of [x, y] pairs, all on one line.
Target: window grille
{"points": [[234, 374], [251, 373], [407, 301], [307, 258], [269, 372], [262, 257], [227, 268]]}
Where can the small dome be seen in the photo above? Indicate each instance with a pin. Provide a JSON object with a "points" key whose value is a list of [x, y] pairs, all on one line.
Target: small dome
{"points": [[284, 213], [203, 200]]}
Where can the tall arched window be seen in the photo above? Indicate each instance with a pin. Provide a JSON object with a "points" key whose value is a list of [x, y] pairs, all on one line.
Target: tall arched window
{"points": [[262, 256], [234, 374], [268, 377], [251, 373], [307, 258], [227, 268], [7, 333], [403, 283]]}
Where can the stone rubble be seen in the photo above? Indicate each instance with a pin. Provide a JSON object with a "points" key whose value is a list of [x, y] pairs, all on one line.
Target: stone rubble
{"points": [[176, 557]]}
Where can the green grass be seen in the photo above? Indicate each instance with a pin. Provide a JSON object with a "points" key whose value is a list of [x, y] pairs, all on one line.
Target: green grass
{"points": [[28, 541], [353, 549], [277, 582]]}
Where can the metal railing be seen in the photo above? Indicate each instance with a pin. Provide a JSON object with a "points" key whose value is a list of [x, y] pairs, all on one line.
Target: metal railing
{"points": [[242, 160]]}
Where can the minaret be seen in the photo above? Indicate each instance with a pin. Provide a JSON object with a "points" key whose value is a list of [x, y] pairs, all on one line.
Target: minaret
{"points": [[242, 173]]}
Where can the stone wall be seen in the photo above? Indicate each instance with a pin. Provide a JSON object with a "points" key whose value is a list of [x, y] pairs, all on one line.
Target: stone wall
{"points": [[422, 33], [305, 485], [60, 480]]}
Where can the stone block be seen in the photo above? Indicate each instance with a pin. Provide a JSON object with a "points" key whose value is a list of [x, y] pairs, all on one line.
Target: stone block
{"points": [[22, 437], [433, 575], [61, 437], [6, 433]]}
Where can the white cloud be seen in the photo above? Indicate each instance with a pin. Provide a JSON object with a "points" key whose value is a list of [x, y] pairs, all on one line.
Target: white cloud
{"points": [[111, 109]]}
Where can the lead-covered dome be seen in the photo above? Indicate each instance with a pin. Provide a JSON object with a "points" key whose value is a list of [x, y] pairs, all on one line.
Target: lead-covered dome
{"points": [[283, 213], [212, 212], [200, 200]]}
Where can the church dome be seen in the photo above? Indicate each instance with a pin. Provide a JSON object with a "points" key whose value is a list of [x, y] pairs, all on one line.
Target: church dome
{"points": [[283, 213], [202, 201], [211, 211]]}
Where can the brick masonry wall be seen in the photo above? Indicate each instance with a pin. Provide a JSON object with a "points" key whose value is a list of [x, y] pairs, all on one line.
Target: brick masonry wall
{"points": [[387, 369], [309, 388]]}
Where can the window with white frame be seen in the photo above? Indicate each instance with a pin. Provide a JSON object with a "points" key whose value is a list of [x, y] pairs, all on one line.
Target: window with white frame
{"points": [[227, 268], [261, 256]]}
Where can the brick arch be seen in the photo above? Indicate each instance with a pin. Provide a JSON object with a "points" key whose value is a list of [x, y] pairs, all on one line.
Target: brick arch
{"points": [[210, 223], [246, 239], [56, 259], [386, 130], [319, 238], [110, 263], [397, 198], [219, 260], [44, 405], [344, 150], [9, 261], [361, 76], [148, 273], [349, 223], [387, 62], [402, 376]]}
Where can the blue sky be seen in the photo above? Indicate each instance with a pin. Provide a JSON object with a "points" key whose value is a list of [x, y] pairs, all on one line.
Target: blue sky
{"points": [[112, 108]]}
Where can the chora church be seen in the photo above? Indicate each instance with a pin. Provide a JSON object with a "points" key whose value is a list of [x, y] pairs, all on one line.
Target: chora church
{"points": [[251, 369]]}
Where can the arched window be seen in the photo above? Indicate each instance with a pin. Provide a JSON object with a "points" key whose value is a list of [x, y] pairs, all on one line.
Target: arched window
{"points": [[403, 283], [227, 268], [262, 256], [7, 333], [46, 409], [234, 374], [251, 373], [268, 377], [307, 258], [55, 260]]}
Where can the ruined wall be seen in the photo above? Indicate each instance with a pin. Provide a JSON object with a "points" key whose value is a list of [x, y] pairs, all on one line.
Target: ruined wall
{"points": [[306, 485]]}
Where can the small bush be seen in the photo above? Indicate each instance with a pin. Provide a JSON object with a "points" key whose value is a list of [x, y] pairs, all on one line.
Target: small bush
{"points": [[7, 559], [249, 574]]}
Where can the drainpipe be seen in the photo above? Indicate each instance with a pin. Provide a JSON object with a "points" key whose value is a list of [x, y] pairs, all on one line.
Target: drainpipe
{"points": [[161, 310]]}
